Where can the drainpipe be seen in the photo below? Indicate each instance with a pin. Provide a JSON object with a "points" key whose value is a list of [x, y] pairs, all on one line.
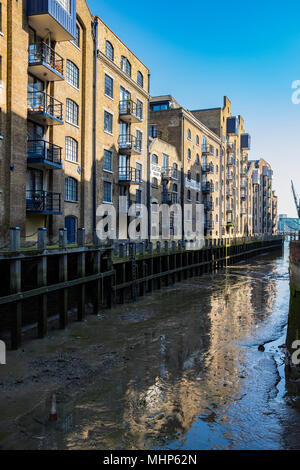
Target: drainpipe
{"points": [[95, 38], [148, 166], [182, 179]]}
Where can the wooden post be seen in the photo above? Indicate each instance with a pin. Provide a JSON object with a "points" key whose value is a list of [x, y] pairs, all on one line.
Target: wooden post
{"points": [[15, 287], [97, 284], [43, 300], [63, 301], [81, 287]]}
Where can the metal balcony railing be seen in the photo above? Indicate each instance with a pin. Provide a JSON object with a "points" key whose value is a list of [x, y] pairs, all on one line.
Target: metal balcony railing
{"points": [[208, 206], [42, 53], [209, 225], [130, 108], [41, 102], [169, 198], [207, 149], [207, 188], [169, 173], [40, 201], [128, 142], [42, 150], [207, 168], [130, 175]]}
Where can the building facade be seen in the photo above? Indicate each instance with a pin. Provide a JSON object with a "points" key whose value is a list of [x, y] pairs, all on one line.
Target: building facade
{"points": [[78, 130]]}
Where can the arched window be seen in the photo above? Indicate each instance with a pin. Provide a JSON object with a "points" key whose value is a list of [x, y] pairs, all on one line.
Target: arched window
{"points": [[175, 170], [189, 154], [197, 159], [154, 159], [71, 189], [198, 177], [155, 182], [71, 112], [189, 175], [140, 79], [109, 50], [189, 134], [197, 140], [126, 65], [174, 188], [72, 75], [71, 149]]}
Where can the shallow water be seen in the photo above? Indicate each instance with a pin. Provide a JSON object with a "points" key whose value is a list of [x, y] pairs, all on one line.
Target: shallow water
{"points": [[192, 376]]}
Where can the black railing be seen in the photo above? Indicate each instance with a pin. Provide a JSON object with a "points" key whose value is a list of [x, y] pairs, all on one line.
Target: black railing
{"points": [[130, 175], [130, 142], [42, 150], [209, 225], [43, 201], [207, 188], [208, 206], [39, 101], [169, 198], [39, 53], [130, 108], [207, 168], [207, 149], [169, 173]]}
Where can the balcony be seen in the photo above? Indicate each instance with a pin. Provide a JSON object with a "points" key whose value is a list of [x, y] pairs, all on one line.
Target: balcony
{"points": [[44, 109], [130, 111], [229, 177], [230, 148], [169, 198], [243, 209], [229, 209], [208, 206], [207, 150], [169, 173], [43, 202], [43, 155], [209, 225], [230, 162], [55, 16], [243, 172], [207, 168], [245, 142], [232, 125], [45, 63], [128, 144], [207, 188], [128, 175]]}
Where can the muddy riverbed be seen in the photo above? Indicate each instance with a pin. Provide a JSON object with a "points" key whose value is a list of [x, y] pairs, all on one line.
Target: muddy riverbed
{"points": [[179, 369]]}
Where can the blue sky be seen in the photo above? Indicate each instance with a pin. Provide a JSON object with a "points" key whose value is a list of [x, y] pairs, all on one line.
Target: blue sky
{"points": [[201, 51]]}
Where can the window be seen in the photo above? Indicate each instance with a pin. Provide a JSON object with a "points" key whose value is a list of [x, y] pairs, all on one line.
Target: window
{"points": [[126, 66], [197, 197], [189, 195], [71, 149], [197, 159], [160, 107], [72, 75], [138, 196], [155, 159], [189, 154], [155, 182], [109, 86], [107, 191], [189, 175], [165, 161], [197, 140], [72, 112], [189, 135], [66, 4], [139, 168], [139, 139], [140, 79], [153, 131], [76, 41], [198, 177], [71, 189], [109, 50], [174, 188], [139, 109], [107, 161], [108, 122]]}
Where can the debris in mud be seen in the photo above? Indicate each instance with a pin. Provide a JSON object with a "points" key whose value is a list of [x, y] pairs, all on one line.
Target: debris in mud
{"points": [[261, 348]]}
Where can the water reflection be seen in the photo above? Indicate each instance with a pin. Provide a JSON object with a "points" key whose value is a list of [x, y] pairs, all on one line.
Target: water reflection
{"points": [[192, 376]]}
